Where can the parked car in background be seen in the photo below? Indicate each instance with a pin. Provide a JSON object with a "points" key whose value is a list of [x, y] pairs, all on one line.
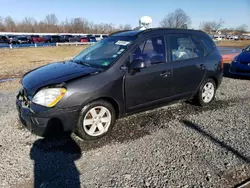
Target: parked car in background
{"points": [[20, 40], [4, 39], [99, 37], [53, 38], [36, 39], [65, 38], [234, 37], [84, 39], [91, 38], [240, 65], [126, 73], [104, 36], [10, 37], [246, 37], [75, 39]]}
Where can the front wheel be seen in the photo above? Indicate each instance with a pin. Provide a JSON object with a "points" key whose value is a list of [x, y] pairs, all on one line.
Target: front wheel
{"points": [[206, 92], [96, 120]]}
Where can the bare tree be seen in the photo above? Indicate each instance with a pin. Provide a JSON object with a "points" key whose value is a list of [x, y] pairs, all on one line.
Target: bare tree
{"points": [[51, 24], [10, 24], [241, 29], [76, 25], [51, 19], [27, 25], [2, 26], [125, 27], [216, 25], [211, 25], [176, 19]]}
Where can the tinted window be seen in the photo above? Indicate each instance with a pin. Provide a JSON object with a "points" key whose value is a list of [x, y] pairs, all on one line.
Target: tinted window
{"points": [[22, 38], [207, 43], [3, 38], [184, 47], [97, 35], [247, 49], [152, 51]]}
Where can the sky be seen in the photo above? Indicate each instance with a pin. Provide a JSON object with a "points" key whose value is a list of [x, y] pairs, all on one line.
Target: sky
{"points": [[233, 12]]}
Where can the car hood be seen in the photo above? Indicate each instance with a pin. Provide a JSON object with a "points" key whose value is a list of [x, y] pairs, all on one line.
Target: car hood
{"points": [[244, 56], [55, 73]]}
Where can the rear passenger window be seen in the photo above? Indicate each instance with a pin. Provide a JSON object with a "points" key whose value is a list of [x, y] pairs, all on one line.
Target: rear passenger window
{"points": [[184, 47], [207, 43]]}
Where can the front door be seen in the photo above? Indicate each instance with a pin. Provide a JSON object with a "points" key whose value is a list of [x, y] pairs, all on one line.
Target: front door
{"points": [[152, 83], [188, 63]]}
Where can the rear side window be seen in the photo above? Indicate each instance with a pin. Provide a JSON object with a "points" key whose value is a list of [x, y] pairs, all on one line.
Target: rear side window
{"points": [[207, 43], [184, 47]]}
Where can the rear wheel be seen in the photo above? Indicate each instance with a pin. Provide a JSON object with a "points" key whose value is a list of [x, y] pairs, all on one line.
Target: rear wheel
{"points": [[96, 120], [206, 92]]}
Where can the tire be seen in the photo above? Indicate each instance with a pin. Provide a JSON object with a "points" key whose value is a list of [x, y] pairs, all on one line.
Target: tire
{"points": [[83, 127], [202, 98]]}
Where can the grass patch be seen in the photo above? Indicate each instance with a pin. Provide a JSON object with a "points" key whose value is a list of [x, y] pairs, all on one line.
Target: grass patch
{"points": [[15, 62], [232, 43]]}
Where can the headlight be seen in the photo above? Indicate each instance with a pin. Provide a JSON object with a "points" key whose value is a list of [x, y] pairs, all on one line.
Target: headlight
{"points": [[49, 97]]}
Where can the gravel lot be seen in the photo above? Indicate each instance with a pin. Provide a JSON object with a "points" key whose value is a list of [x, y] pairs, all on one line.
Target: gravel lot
{"points": [[175, 146]]}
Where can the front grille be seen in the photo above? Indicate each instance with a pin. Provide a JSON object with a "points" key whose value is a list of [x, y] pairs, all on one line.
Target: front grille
{"points": [[22, 95]]}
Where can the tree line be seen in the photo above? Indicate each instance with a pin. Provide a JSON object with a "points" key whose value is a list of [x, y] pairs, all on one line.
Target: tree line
{"points": [[51, 24], [180, 19]]}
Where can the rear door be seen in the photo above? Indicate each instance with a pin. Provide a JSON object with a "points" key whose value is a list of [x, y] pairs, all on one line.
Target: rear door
{"points": [[188, 63]]}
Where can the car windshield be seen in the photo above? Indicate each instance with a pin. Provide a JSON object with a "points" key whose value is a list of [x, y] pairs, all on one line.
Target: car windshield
{"points": [[247, 49], [103, 53]]}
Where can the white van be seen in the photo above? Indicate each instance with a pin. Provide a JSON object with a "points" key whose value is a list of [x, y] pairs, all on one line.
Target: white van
{"points": [[100, 36]]}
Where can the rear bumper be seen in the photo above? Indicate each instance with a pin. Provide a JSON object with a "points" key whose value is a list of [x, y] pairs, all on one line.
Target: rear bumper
{"points": [[239, 69], [44, 121]]}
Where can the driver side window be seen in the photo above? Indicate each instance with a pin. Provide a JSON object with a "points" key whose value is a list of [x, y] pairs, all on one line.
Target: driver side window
{"points": [[152, 51]]}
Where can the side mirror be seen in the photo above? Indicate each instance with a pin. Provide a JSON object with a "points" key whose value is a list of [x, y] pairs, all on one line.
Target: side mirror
{"points": [[243, 50], [137, 65]]}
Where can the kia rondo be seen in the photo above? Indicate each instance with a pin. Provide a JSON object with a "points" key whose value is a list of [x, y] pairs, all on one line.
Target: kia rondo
{"points": [[127, 72]]}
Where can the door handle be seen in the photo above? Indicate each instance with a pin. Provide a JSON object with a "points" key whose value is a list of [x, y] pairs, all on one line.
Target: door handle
{"points": [[202, 66], [165, 73]]}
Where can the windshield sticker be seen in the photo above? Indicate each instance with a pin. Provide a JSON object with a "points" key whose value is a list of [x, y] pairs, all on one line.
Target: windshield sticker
{"points": [[105, 63], [122, 43]]}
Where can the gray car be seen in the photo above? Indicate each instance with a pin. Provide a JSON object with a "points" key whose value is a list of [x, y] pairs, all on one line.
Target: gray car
{"points": [[125, 73]]}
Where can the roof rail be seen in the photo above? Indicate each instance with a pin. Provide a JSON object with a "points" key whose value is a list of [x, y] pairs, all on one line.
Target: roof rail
{"points": [[165, 28], [119, 32]]}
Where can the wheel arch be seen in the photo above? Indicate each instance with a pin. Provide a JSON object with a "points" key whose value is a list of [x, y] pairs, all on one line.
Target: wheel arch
{"points": [[215, 80], [112, 101]]}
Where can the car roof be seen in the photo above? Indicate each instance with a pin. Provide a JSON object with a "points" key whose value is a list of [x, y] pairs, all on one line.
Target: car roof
{"points": [[152, 30]]}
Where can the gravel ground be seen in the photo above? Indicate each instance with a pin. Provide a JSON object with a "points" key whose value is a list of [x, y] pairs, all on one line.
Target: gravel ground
{"points": [[175, 146]]}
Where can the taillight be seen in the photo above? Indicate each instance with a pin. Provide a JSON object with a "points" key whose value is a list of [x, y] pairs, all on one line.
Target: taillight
{"points": [[222, 63]]}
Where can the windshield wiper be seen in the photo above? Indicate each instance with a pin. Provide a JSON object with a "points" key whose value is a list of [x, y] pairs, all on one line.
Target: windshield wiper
{"points": [[81, 62]]}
